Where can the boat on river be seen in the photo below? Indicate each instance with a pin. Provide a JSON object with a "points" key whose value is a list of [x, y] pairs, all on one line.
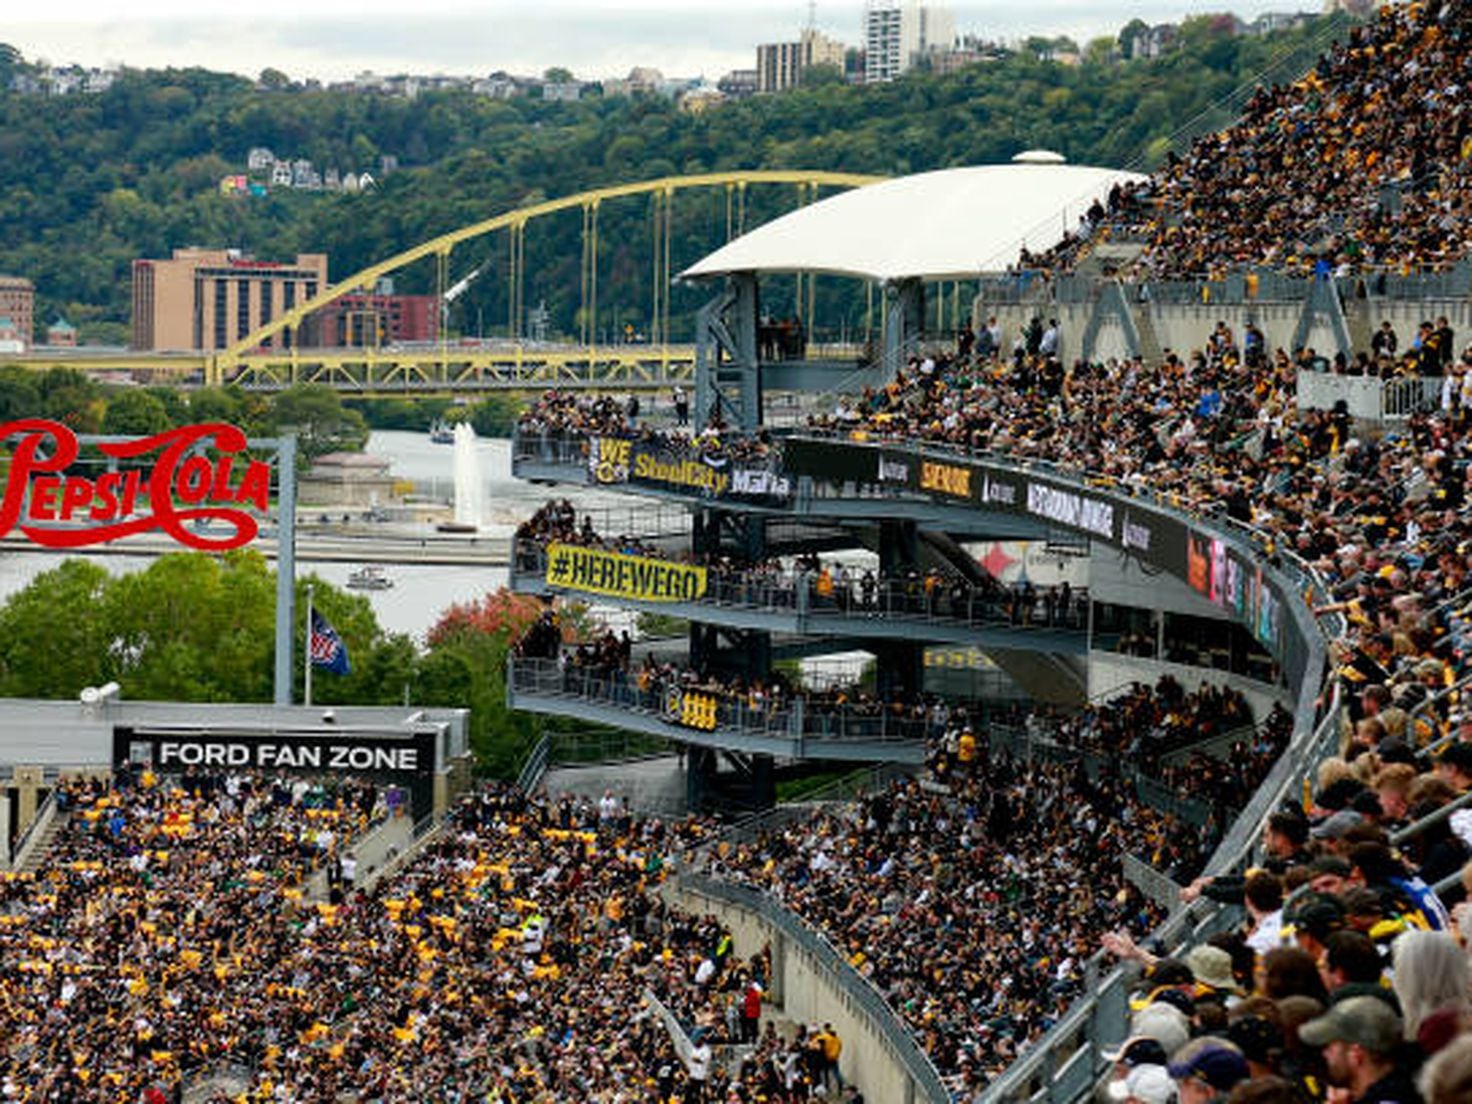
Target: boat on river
{"points": [[369, 577]]}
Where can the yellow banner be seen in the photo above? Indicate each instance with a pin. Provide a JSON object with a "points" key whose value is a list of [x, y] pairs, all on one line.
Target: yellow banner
{"points": [[642, 578]]}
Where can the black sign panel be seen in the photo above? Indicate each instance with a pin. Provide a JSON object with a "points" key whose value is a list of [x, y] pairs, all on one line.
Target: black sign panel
{"points": [[407, 761], [1226, 573], [1099, 515]]}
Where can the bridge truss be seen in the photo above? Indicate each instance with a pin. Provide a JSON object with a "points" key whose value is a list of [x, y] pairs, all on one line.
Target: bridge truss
{"points": [[269, 358]]}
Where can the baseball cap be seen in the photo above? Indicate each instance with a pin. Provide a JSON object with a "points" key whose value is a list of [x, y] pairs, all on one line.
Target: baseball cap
{"points": [[1138, 1050], [1363, 1021], [1149, 1083], [1337, 824], [1217, 1062], [1164, 1023]]}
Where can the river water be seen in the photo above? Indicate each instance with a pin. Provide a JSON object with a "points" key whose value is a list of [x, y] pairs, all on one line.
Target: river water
{"points": [[421, 592]]}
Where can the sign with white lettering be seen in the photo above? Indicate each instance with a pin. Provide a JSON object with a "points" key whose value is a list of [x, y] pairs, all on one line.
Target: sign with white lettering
{"points": [[392, 758]]}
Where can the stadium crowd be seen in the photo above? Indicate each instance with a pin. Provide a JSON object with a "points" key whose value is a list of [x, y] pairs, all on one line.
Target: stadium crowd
{"points": [[1371, 146], [511, 961]]}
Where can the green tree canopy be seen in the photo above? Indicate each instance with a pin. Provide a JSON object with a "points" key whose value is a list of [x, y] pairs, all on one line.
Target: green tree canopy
{"points": [[134, 412], [322, 424]]}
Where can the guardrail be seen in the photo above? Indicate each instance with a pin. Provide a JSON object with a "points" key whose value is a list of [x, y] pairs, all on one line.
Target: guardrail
{"points": [[421, 835], [940, 600], [885, 1021], [46, 812], [1024, 745], [1369, 398], [868, 779], [670, 699]]}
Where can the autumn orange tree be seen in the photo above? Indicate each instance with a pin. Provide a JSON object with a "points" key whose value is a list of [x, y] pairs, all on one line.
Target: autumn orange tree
{"points": [[465, 665]]}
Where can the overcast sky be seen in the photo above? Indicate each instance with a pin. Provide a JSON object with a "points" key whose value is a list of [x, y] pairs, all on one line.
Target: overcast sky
{"points": [[334, 39]]}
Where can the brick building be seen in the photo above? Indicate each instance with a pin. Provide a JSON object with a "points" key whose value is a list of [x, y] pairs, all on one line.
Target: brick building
{"points": [[371, 321], [18, 304]]}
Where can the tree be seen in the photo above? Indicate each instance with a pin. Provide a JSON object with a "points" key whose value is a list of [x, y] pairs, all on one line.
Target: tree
{"points": [[557, 75], [135, 413], [466, 665], [273, 79], [53, 644], [495, 415], [822, 76], [20, 393], [194, 627], [216, 404], [1100, 51], [322, 424], [1130, 34]]}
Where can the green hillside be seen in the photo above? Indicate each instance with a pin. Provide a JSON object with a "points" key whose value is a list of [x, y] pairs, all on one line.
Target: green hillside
{"points": [[91, 181]]}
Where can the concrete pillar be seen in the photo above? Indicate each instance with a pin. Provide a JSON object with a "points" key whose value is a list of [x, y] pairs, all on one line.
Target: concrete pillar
{"points": [[29, 781]]}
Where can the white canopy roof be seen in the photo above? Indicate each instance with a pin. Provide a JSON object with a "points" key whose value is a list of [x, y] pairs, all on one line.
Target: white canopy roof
{"points": [[949, 224]]}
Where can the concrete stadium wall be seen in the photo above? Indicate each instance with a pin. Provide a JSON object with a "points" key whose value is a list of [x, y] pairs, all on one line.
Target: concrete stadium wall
{"points": [[1109, 672], [1182, 327]]}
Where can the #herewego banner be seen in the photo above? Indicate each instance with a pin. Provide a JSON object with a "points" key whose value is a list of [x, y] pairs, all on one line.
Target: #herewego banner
{"points": [[642, 578], [180, 487]]}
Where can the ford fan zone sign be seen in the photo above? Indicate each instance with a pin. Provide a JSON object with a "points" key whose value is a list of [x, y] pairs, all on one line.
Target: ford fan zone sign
{"points": [[178, 488]]}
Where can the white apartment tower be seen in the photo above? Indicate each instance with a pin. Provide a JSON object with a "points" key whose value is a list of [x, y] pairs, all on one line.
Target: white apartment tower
{"points": [[897, 31]]}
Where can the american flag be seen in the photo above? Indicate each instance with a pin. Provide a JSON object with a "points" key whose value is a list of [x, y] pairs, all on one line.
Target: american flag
{"points": [[328, 650]]}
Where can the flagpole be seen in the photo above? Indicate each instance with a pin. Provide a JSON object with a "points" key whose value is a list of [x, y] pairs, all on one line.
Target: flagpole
{"points": [[307, 651]]}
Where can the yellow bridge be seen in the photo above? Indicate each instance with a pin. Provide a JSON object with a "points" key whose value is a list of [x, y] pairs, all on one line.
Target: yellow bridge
{"points": [[453, 369], [269, 359]]}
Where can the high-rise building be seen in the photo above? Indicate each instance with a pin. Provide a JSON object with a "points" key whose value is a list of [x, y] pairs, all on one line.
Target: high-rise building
{"points": [[897, 31], [18, 304], [780, 65], [208, 299]]}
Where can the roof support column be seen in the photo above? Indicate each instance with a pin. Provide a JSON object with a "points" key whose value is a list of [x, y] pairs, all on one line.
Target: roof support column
{"points": [[904, 319], [728, 381]]}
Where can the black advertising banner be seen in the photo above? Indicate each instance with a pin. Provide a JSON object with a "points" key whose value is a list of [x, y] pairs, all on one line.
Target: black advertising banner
{"points": [[407, 761], [1222, 572], [1152, 535]]}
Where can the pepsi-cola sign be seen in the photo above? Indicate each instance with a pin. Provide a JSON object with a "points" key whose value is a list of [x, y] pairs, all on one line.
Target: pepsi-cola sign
{"points": [[181, 487]]}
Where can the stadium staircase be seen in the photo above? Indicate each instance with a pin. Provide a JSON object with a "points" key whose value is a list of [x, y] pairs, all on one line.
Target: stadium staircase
{"points": [[1150, 348], [35, 844], [1361, 326]]}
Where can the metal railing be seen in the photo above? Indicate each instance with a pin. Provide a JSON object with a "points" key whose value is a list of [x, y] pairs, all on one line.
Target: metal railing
{"points": [[534, 768], [791, 719], [748, 829], [1063, 1065], [867, 1000], [649, 521], [35, 831], [917, 598], [425, 831]]}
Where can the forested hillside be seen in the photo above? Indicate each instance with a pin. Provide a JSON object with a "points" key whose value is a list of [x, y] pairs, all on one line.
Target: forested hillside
{"points": [[88, 182]]}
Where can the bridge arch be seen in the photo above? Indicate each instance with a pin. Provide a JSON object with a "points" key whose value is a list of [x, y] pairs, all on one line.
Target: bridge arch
{"points": [[237, 355]]}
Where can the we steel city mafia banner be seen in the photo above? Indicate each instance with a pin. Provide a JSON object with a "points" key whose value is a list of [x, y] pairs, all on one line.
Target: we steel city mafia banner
{"points": [[622, 460]]}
